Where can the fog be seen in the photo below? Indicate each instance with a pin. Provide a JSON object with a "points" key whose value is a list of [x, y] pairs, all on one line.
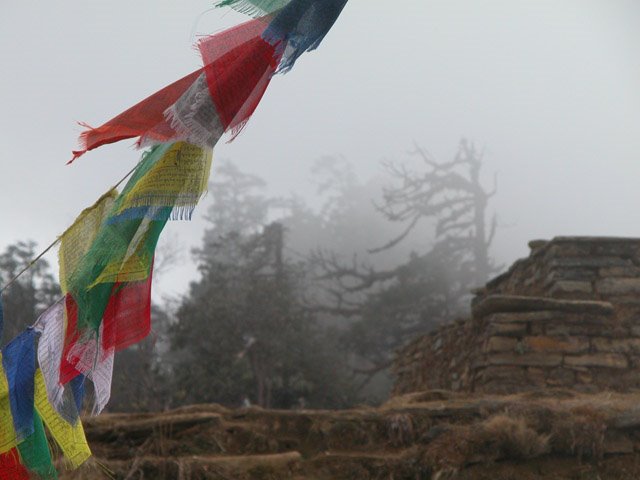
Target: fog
{"points": [[549, 89]]}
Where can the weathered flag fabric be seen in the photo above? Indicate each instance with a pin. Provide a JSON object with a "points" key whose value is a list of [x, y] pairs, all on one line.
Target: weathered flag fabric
{"points": [[244, 64], [51, 326], [19, 365], [171, 176], [300, 27], [69, 436], [108, 303], [8, 439], [11, 468], [1, 318], [138, 119], [35, 453], [78, 238], [255, 8]]}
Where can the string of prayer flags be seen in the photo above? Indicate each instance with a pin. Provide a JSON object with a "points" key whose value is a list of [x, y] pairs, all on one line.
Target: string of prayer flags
{"points": [[106, 256], [108, 304]]}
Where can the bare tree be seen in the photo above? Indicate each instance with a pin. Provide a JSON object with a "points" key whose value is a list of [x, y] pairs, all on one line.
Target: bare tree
{"points": [[450, 193]]}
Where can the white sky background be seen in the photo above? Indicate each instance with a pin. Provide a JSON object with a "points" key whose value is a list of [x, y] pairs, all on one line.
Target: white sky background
{"points": [[551, 88]]}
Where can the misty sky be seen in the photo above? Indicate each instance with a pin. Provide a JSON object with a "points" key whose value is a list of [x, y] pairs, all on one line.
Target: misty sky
{"points": [[550, 88]]}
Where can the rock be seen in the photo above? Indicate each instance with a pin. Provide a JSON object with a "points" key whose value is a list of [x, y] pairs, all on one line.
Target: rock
{"points": [[557, 344], [627, 419], [518, 303], [507, 329], [508, 374], [570, 288], [561, 376], [500, 344], [588, 262], [528, 359], [536, 376], [620, 345], [537, 244], [617, 442], [606, 360], [618, 286], [619, 272], [558, 249], [584, 377], [524, 317]]}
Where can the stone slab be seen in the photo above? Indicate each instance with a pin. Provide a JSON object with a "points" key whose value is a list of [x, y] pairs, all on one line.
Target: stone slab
{"points": [[605, 360], [517, 303], [525, 360]]}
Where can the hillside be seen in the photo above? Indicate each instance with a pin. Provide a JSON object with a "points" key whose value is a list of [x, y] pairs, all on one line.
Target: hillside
{"points": [[552, 434]]}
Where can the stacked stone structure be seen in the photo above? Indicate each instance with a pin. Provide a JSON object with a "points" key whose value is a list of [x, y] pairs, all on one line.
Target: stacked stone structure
{"points": [[566, 316]]}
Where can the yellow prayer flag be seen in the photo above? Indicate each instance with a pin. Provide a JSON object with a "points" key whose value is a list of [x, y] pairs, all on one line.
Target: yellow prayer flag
{"points": [[69, 437], [178, 179], [8, 439], [77, 239]]}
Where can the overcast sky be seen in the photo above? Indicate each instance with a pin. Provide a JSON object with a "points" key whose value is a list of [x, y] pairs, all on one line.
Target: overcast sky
{"points": [[550, 88]]}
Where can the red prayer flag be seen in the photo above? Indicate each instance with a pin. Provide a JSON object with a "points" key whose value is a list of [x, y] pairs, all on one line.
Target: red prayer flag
{"points": [[11, 468]]}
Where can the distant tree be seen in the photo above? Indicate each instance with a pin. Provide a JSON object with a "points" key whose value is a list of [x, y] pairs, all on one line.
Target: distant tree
{"points": [[451, 194], [27, 297], [388, 306], [242, 330]]}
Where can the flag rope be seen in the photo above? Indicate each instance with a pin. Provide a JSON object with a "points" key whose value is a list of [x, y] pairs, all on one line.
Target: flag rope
{"points": [[56, 241]]}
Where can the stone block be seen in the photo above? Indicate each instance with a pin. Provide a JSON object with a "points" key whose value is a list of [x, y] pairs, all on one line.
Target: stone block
{"points": [[619, 272], [585, 329], [627, 419], [537, 376], [616, 345], [588, 262], [584, 376], [526, 360], [508, 374], [617, 443], [567, 250], [524, 317], [570, 274], [517, 304], [618, 286], [604, 360], [561, 377], [507, 329], [500, 344], [571, 289], [620, 247], [557, 344]]}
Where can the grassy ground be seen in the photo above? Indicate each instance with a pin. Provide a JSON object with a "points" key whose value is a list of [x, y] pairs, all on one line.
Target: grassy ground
{"points": [[436, 435]]}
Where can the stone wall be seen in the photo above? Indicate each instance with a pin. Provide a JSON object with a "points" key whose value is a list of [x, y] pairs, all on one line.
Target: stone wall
{"points": [[591, 268], [566, 316]]}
